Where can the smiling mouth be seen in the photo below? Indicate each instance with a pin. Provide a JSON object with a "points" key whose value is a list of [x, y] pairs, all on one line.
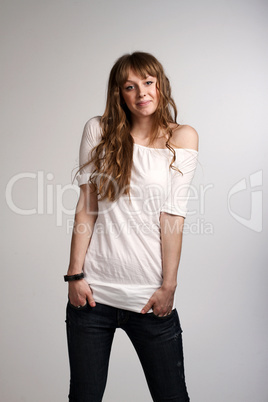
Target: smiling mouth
{"points": [[143, 103]]}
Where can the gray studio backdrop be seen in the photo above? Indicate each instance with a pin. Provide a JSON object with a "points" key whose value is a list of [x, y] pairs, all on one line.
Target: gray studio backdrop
{"points": [[56, 57]]}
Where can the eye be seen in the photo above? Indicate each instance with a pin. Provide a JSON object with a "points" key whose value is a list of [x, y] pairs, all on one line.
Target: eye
{"points": [[129, 87], [149, 82]]}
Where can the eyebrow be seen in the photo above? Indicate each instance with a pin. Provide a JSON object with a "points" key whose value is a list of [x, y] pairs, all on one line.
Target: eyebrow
{"points": [[148, 76]]}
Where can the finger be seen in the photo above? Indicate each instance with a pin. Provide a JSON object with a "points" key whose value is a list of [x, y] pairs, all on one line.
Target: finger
{"points": [[90, 299], [160, 315], [164, 314], [81, 302], [147, 307]]}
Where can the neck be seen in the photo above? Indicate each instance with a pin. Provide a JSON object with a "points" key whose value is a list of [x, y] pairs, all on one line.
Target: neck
{"points": [[141, 127]]}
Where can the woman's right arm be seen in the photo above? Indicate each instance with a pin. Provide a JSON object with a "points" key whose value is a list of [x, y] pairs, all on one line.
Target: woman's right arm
{"points": [[85, 217]]}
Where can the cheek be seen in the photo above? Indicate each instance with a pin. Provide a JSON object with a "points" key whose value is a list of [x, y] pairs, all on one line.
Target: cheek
{"points": [[128, 98], [156, 93]]}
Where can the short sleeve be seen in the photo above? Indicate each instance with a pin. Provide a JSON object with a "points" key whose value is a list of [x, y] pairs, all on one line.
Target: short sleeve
{"points": [[90, 138], [180, 184]]}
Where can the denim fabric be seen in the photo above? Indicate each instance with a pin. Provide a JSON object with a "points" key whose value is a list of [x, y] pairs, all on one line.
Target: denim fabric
{"points": [[157, 341]]}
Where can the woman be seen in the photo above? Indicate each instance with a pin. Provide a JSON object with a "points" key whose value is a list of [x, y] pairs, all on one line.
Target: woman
{"points": [[137, 164]]}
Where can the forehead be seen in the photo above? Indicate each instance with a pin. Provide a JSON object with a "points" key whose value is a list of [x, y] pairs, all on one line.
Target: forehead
{"points": [[133, 75]]}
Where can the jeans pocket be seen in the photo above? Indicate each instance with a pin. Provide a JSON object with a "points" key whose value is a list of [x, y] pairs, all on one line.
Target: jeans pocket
{"points": [[166, 317], [80, 308]]}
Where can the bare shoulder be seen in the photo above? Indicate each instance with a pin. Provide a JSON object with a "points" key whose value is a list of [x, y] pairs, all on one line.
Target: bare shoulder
{"points": [[184, 136]]}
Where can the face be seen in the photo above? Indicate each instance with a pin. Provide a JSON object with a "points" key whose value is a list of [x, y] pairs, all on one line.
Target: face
{"points": [[140, 94]]}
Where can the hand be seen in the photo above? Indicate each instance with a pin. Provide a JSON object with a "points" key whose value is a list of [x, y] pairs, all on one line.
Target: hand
{"points": [[161, 302], [80, 292]]}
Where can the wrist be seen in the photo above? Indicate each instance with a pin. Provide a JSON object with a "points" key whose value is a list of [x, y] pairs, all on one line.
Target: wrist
{"points": [[76, 277], [169, 285], [73, 270]]}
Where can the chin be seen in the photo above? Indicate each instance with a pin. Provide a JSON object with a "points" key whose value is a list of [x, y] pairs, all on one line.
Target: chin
{"points": [[146, 112]]}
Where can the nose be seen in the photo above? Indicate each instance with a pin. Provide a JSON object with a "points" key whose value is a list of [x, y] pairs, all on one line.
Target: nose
{"points": [[141, 92]]}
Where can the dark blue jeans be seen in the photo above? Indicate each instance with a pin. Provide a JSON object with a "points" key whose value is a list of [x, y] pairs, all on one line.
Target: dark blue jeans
{"points": [[157, 340]]}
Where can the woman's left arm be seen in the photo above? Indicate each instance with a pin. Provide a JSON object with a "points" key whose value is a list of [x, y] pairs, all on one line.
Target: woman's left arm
{"points": [[171, 225], [171, 241]]}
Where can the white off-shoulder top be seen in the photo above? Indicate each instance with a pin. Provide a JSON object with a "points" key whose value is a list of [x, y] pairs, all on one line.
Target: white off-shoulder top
{"points": [[123, 263]]}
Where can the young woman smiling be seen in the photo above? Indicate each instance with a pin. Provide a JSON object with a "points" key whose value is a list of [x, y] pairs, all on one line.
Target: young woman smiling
{"points": [[136, 168]]}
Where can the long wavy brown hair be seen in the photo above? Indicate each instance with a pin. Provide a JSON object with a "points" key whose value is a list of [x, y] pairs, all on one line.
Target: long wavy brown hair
{"points": [[113, 156]]}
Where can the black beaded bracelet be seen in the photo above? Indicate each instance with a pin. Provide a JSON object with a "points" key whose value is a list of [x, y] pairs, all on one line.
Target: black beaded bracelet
{"points": [[76, 277]]}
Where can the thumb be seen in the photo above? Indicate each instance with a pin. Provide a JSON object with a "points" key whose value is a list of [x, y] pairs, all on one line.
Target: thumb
{"points": [[90, 299], [147, 307]]}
